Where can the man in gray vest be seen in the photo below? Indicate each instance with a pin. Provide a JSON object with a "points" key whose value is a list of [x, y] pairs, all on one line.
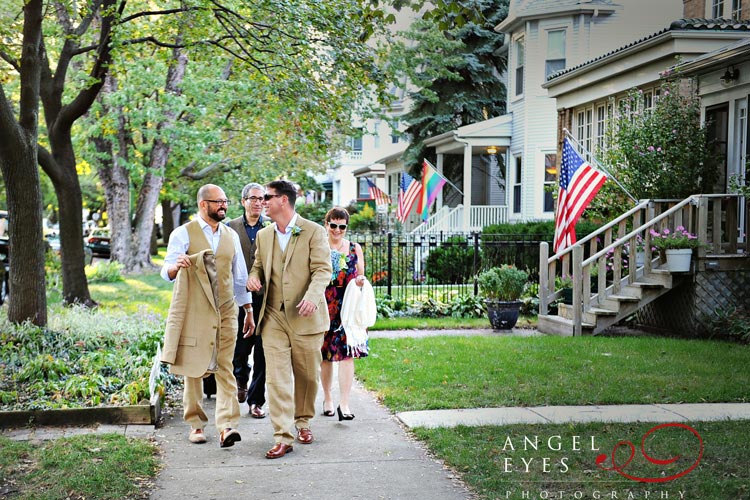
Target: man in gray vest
{"points": [[247, 226], [201, 327]]}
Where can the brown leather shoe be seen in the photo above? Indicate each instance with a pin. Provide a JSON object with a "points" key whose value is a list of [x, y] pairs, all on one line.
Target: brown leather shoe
{"points": [[304, 436], [241, 394], [257, 411], [228, 437], [279, 450], [197, 436]]}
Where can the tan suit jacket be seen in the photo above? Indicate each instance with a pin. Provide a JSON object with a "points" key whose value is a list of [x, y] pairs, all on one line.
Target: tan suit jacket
{"points": [[306, 273], [194, 319]]}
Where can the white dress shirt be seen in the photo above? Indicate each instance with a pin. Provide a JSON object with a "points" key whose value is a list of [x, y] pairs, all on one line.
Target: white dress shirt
{"points": [[179, 241], [285, 237]]}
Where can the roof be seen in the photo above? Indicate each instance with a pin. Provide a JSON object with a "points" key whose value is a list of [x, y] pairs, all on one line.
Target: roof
{"points": [[733, 53], [530, 9], [716, 25]]}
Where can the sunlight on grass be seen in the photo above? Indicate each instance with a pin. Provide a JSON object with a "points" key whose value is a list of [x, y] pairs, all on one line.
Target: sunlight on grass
{"points": [[469, 372]]}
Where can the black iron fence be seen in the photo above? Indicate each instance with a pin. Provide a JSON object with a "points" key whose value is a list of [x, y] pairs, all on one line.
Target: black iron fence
{"points": [[442, 265]]}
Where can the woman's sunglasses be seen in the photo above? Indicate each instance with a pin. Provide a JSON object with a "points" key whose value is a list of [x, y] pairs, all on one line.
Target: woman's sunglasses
{"points": [[337, 226]]}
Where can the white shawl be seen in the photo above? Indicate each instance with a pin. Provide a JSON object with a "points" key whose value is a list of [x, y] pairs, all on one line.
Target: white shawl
{"points": [[358, 312]]}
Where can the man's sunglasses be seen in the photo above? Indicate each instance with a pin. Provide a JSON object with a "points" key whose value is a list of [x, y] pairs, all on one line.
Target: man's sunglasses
{"points": [[269, 196], [337, 226]]}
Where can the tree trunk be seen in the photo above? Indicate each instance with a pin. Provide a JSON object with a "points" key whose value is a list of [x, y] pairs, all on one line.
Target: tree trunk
{"points": [[167, 222], [18, 163]]}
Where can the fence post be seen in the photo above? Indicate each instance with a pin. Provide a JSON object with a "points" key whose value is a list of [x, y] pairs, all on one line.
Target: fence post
{"points": [[543, 277], [476, 262], [390, 264]]}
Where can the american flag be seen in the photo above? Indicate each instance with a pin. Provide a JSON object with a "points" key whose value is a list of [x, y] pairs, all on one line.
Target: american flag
{"points": [[409, 190], [579, 183], [377, 194]]}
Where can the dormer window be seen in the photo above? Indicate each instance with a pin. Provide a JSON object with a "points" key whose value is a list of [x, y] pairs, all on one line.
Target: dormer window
{"points": [[555, 52]]}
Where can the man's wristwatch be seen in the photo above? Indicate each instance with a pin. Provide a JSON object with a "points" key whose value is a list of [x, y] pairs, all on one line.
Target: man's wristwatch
{"points": [[248, 307]]}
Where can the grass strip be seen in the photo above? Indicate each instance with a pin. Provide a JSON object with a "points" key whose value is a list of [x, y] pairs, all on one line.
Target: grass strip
{"points": [[103, 466], [500, 463], [478, 372]]}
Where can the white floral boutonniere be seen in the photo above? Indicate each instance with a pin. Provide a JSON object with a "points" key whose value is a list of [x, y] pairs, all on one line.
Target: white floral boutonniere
{"points": [[296, 230], [267, 223]]}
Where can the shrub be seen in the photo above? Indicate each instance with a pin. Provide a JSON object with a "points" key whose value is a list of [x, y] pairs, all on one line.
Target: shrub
{"points": [[451, 262], [104, 272]]}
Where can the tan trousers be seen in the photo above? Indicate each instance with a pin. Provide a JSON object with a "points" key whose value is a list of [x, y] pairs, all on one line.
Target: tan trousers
{"points": [[227, 407], [292, 374]]}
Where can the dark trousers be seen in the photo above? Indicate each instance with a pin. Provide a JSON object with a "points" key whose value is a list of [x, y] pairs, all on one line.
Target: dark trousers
{"points": [[256, 394]]}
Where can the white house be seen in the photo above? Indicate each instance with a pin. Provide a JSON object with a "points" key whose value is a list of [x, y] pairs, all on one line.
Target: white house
{"points": [[543, 37]]}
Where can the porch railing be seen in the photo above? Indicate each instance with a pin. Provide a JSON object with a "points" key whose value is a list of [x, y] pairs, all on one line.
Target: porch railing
{"points": [[454, 219], [609, 253]]}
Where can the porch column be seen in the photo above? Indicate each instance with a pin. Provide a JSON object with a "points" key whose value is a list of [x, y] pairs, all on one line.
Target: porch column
{"points": [[439, 166], [467, 187]]}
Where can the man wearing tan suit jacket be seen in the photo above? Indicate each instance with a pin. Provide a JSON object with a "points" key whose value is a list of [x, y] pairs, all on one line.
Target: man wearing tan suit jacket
{"points": [[293, 263]]}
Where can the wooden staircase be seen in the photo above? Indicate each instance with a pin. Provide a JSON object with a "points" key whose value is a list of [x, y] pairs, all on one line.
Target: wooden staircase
{"points": [[605, 254], [612, 309]]}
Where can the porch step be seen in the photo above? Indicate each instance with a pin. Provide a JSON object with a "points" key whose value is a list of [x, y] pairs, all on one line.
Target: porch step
{"points": [[557, 325]]}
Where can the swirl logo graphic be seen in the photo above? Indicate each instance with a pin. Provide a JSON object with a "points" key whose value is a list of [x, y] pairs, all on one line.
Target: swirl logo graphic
{"points": [[620, 468]]}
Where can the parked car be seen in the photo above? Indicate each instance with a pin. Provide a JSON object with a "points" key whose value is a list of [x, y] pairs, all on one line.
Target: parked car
{"points": [[99, 242]]}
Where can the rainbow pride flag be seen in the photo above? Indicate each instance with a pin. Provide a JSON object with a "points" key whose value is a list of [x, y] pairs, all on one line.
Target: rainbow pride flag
{"points": [[432, 183]]}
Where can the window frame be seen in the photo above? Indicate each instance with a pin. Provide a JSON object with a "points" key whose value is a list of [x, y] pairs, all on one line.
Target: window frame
{"points": [[517, 185], [547, 59], [519, 46], [548, 200]]}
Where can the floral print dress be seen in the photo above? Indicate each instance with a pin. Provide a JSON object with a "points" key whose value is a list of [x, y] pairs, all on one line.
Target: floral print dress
{"points": [[344, 270]]}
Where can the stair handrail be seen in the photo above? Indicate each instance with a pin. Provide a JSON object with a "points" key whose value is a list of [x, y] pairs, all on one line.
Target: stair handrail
{"points": [[646, 225], [640, 206]]}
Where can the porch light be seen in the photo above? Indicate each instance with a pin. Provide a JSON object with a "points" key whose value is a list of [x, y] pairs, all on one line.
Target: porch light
{"points": [[730, 76], [491, 150]]}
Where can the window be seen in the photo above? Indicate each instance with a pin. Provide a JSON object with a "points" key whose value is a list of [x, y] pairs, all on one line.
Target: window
{"points": [[737, 9], [555, 52], [648, 100], [550, 171], [580, 130], [717, 9], [355, 142], [520, 59], [364, 190], [601, 126], [589, 129], [517, 187]]}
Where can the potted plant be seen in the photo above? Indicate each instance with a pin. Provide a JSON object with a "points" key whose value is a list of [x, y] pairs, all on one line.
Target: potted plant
{"points": [[566, 284], [676, 246], [502, 287]]}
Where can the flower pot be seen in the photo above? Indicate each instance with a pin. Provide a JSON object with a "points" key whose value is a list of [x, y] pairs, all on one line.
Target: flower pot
{"points": [[640, 258], [678, 259], [503, 315], [567, 295]]}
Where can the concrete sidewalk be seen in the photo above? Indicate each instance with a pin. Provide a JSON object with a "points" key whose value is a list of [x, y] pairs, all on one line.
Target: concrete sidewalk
{"points": [[371, 456]]}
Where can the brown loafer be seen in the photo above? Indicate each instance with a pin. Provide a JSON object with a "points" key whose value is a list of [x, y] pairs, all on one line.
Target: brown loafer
{"points": [[256, 411], [241, 394], [228, 437], [279, 450], [304, 436]]}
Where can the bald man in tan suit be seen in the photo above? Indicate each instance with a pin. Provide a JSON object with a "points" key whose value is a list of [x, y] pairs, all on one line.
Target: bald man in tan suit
{"points": [[293, 263]]}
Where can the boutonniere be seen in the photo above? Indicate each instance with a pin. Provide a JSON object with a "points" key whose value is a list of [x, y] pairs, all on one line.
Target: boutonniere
{"points": [[296, 230], [267, 223]]}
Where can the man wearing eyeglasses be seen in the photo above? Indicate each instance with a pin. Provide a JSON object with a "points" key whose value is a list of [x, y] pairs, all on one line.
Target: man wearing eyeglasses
{"points": [[293, 266], [247, 226], [204, 259]]}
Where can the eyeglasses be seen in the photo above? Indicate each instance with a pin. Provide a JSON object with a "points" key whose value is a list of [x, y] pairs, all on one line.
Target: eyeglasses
{"points": [[220, 202], [269, 196], [337, 226], [253, 199]]}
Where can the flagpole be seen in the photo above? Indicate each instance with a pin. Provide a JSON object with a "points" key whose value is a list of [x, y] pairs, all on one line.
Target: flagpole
{"points": [[443, 177], [599, 165]]}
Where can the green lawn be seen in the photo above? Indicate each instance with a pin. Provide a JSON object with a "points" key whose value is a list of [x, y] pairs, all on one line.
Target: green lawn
{"points": [[468, 372]]}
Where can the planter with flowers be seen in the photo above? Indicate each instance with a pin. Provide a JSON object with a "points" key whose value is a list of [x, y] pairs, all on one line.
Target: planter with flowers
{"points": [[502, 287], [676, 247]]}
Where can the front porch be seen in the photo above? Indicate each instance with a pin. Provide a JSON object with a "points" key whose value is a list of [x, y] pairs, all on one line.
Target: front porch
{"points": [[680, 302], [463, 219]]}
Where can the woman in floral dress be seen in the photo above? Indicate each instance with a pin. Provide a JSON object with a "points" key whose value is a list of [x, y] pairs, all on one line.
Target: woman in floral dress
{"points": [[348, 264]]}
